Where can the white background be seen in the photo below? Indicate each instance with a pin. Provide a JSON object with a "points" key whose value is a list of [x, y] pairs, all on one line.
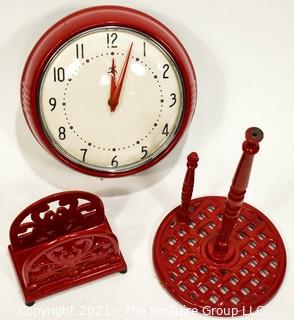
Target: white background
{"points": [[243, 52]]}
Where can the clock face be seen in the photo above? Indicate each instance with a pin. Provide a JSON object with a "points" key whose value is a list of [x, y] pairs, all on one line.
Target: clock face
{"points": [[111, 99]]}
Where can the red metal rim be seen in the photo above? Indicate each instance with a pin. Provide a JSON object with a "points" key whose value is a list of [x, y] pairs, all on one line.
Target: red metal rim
{"points": [[84, 20], [241, 286]]}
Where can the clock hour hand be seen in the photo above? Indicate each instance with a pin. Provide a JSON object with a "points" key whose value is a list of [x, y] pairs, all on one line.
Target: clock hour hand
{"points": [[114, 98], [112, 82]]}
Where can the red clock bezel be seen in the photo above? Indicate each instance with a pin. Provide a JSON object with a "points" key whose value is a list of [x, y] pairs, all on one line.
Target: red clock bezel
{"points": [[81, 21]]}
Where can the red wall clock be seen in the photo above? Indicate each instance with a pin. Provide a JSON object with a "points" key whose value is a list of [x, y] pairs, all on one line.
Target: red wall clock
{"points": [[109, 91]]}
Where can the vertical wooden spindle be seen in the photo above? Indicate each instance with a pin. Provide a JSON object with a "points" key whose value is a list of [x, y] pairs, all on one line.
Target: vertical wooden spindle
{"points": [[188, 185], [238, 189]]}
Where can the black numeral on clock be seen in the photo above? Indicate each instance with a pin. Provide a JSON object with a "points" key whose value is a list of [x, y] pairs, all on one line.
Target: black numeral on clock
{"points": [[144, 49], [174, 99], [111, 39], [114, 162], [58, 74], [144, 151], [84, 151], [165, 130], [165, 70], [62, 135], [80, 51], [52, 102]]}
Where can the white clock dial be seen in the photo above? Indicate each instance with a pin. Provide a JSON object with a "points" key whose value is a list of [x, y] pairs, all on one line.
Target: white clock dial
{"points": [[90, 120]]}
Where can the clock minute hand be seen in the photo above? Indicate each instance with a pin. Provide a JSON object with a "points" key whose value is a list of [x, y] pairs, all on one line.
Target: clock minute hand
{"points": [[114, 98]]}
